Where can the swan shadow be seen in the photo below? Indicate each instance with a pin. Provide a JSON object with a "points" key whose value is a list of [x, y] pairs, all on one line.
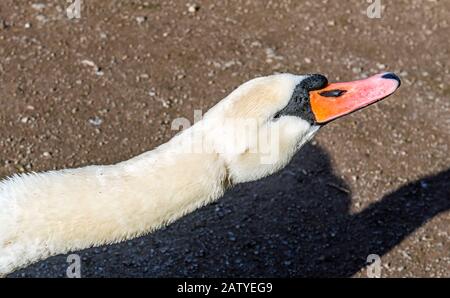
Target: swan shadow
{"points": [[296, 223]]}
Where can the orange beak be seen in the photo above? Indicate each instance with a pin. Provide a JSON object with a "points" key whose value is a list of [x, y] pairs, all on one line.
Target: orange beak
{"points": [[339, 99]]}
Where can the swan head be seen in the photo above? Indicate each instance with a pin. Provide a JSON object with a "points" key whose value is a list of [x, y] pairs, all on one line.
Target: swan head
{"points": [[259, 127]]}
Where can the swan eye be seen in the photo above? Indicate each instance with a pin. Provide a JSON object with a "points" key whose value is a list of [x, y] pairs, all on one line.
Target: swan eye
{"points": [[333, 93]]}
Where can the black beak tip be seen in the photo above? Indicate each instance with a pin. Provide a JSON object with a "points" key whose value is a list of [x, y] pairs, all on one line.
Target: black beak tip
{"points": [[392, 76]]}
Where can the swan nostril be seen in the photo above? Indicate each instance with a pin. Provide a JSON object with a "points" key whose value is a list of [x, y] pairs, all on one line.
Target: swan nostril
{"points": [[392, 76], [333, 93]]}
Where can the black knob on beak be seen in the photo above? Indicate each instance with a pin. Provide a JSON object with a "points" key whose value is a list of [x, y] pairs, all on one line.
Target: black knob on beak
{"points": [[392, 76]]}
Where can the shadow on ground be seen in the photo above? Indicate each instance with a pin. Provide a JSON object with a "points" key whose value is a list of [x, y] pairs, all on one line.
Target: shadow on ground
{"points": [[295, 223]]}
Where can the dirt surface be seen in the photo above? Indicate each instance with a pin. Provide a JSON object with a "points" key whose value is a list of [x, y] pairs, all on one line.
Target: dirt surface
{"points": [[105, 87]]}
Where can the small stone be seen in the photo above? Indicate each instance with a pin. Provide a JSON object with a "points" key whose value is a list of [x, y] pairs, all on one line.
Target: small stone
{"points": [[46, 154], [193, 8], [88, 63], [141, 20], [95, 121], [38, 6], [27, 25], [357, 70], [41, 18], [381, 66], [97, 70]]}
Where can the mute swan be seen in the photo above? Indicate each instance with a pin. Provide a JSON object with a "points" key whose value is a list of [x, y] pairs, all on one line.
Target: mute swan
{"points": [[44, 214]]}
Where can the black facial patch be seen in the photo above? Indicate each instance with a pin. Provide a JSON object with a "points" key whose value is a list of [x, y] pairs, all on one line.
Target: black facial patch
{"points": [[299, 104]]}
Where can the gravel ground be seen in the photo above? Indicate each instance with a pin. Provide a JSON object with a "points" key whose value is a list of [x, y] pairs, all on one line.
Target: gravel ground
{"points": [[105, 87]]}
